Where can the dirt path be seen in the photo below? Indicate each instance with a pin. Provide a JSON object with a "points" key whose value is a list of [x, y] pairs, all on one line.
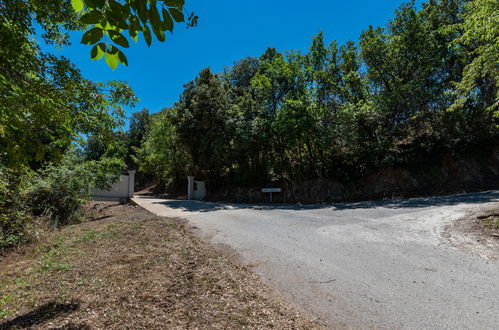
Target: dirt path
{"points": [[476, 232], [130, 269], [382, 264]]}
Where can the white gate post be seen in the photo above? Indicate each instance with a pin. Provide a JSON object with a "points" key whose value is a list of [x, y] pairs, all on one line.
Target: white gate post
{"points": [[190, 187], [131, 183]]}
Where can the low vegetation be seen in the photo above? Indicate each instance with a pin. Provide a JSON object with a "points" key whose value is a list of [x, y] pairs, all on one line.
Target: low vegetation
{"points": [[34, 201], [491, 222], [130, 269]]}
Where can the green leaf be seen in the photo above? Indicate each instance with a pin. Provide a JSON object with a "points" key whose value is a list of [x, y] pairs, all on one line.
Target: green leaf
{"points": [[112, 60], [155, 19], [120, 24], [98, 51], [143, 12], [177, 15], [92, 36], [175, 3], [122, 58], [147, 35], [92, 4], [92, 17], [134, 28], [112, 50], [118, 38], [159, 34], [116, 7], [167, 21], [78, 5]]}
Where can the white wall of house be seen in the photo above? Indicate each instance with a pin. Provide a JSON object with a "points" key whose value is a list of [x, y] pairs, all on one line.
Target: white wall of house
{"points": [[199, 190], [120, 190], [195, 189]]}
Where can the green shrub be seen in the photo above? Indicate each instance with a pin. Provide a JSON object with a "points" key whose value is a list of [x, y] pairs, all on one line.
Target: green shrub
{"points": [[15, 223], [14, 229], [54, 195], [59, 191]]}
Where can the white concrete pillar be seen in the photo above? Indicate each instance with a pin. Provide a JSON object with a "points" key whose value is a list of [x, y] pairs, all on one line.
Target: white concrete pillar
{"points": [[131, 183], [190, 187]]}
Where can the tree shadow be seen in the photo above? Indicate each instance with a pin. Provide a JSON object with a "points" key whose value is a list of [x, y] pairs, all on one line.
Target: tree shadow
{"points": [[73, 326], [421, 202], [42, 314], [101, 218]]}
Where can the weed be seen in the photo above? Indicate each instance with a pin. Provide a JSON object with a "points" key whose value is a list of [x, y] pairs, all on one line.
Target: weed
{"points": [[99, 283], [31, 302], [135, 226], [90, 236], [51, 260], [22, 282], [492, 222], [5, 300]]}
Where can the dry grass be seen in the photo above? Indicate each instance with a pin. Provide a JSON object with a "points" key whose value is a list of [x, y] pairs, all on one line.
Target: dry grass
{"points": [[131, 269], [489, 222]]}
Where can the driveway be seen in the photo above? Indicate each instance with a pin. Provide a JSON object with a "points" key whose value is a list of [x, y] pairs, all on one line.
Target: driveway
{"points": [[388, 264]]}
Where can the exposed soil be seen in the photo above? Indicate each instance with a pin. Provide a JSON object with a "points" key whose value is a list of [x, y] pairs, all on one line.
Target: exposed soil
{"points": [[131, 269], [477, 231]]}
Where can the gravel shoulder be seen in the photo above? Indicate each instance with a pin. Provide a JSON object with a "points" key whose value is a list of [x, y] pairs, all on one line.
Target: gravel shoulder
{"points": [[131, 269], [477, 232]]}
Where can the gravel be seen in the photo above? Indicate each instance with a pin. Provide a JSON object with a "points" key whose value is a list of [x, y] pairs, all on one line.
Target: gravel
{"points": [[386, 264]]}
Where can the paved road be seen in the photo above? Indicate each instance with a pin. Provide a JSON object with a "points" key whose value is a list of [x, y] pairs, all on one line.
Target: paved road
{"points": [[360, 265]]}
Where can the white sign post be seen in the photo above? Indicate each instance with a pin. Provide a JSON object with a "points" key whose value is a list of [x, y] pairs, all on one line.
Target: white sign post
{"points": [[271, 190], [131, 183]]}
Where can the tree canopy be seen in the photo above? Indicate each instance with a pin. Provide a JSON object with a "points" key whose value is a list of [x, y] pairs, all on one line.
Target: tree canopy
{"points": [[109, 24], [424, 84], [45, 102]]}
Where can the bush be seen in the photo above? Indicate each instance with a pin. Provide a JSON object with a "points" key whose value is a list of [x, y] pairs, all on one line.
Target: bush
{"points": [[59, 191], [54, 195], [14, 220]]}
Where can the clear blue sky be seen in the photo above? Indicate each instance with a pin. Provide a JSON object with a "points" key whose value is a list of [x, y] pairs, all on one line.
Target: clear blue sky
{"points": [[229, 30]]}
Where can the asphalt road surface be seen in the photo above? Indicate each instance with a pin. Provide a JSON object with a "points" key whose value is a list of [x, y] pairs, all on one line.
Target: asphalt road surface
{"points": [[381, 264]]}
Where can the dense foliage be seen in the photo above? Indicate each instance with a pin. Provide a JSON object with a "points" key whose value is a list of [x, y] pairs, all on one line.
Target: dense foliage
{"points": [[426, 83], [45, 103], [51, 197], [46, 107]]}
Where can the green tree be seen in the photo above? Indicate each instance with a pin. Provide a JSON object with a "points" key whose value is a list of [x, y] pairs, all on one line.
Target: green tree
{"points": [[46, 95], [201, 120], [480, 42], [161, 154], [421, 86]]}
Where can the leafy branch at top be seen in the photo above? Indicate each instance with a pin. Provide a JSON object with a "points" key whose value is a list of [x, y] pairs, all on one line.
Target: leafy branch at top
{"points": [[110, 20]]}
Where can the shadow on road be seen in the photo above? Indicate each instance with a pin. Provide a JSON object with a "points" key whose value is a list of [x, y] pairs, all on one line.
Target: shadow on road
{"points": [[448, 200]]}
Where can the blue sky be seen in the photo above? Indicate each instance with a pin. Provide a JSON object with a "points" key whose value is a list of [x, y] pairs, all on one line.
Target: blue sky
{"points": [[229, 30]]}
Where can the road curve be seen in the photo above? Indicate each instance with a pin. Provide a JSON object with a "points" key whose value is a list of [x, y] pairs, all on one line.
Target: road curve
{"points": [[360, 265]]}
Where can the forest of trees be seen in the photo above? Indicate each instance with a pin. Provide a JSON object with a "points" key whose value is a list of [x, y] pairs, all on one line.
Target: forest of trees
{"points": [[425, 84]]}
